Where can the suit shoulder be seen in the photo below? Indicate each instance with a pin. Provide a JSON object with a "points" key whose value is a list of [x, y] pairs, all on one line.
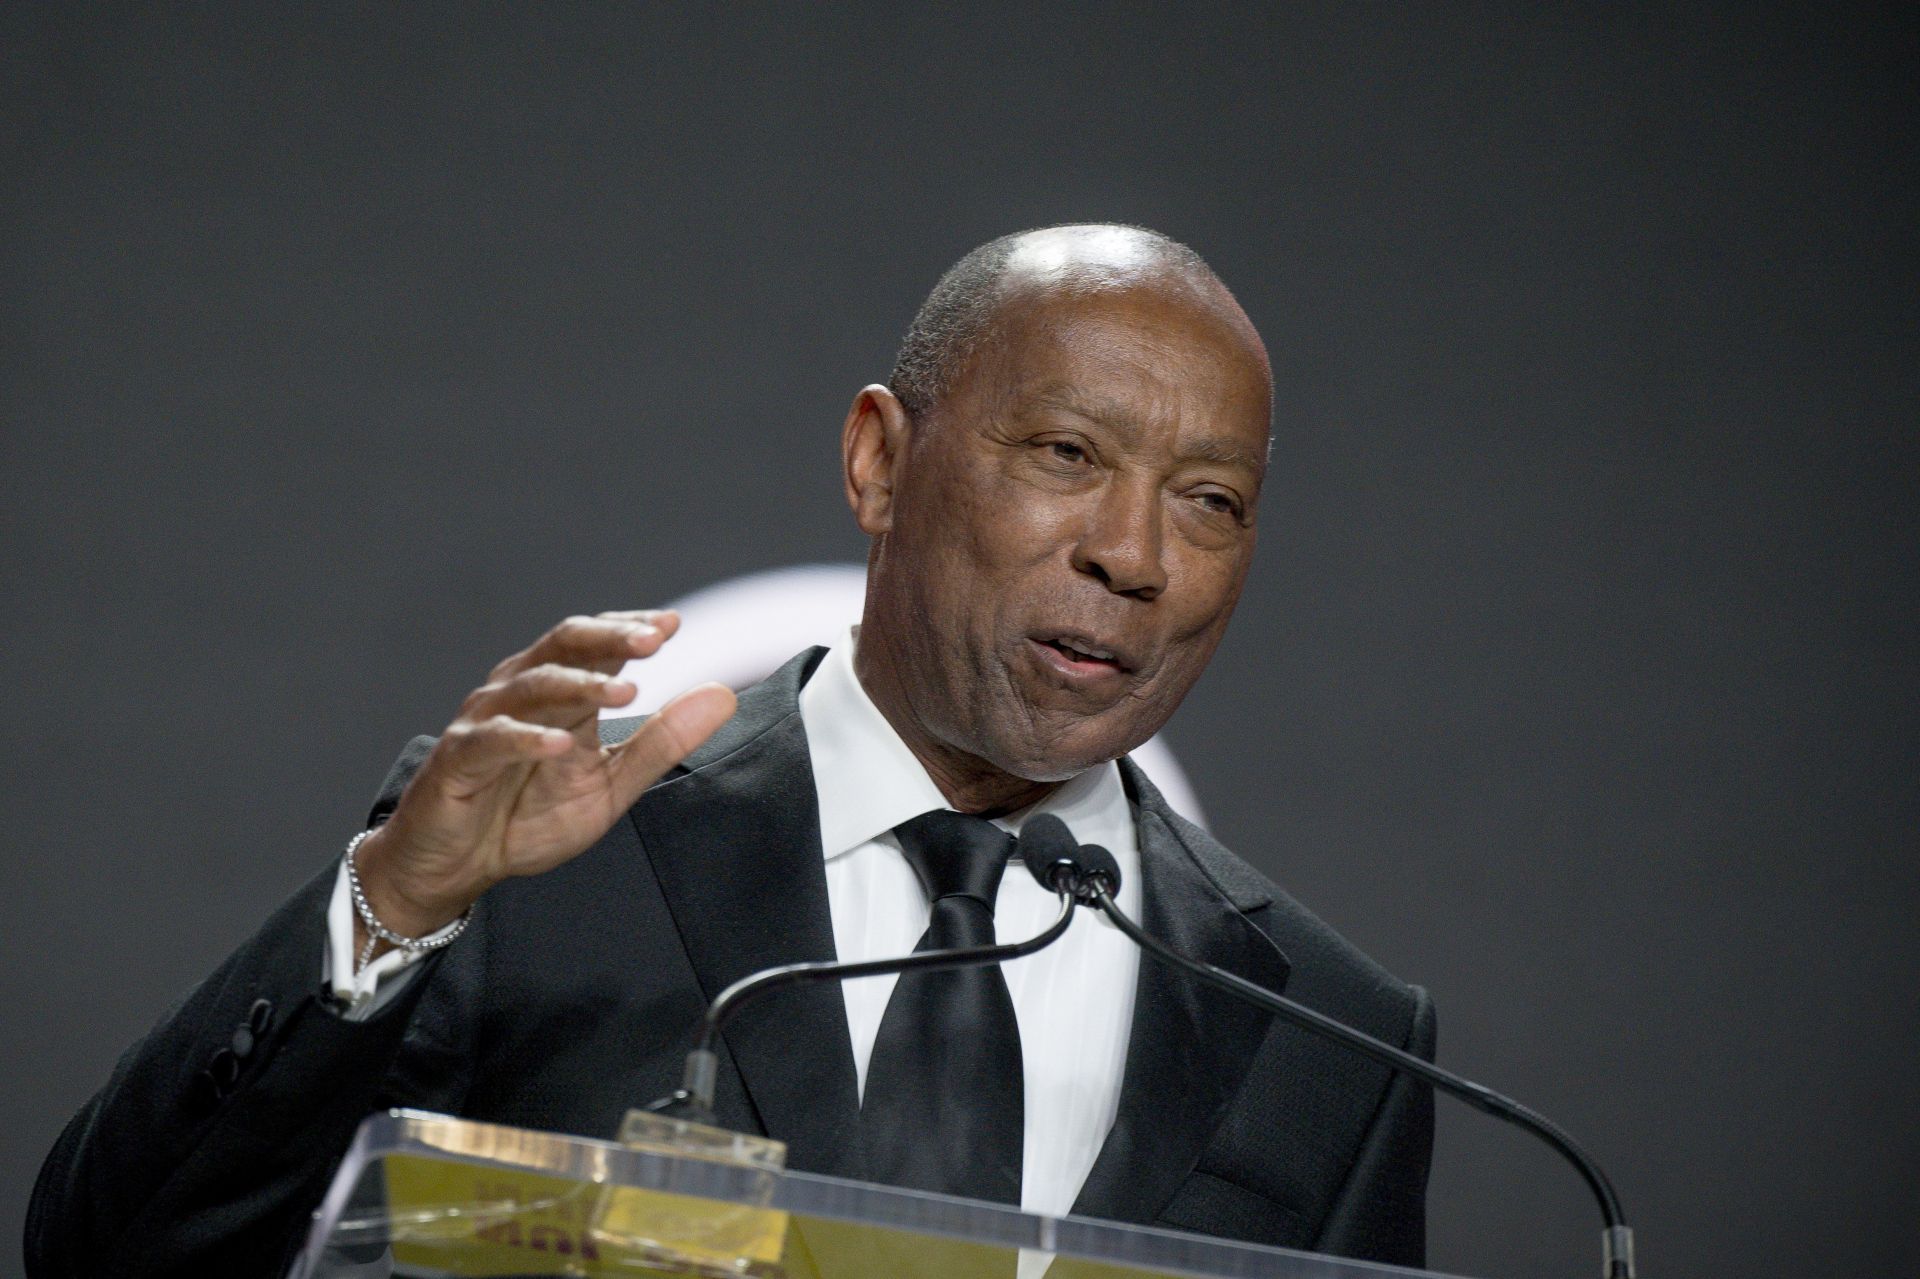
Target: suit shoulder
{"points": [[1336, 976], [1328, 971]]}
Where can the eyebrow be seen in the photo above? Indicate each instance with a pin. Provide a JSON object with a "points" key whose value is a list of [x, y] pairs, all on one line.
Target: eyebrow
{"points": [[1114, 413], [1212, 449]]}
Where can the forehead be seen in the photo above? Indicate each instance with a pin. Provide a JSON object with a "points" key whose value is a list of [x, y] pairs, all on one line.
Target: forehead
{"points": [[1135, 357]]}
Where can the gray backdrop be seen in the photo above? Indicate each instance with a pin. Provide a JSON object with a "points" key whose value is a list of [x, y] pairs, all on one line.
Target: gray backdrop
{"points": [[347, 347]]}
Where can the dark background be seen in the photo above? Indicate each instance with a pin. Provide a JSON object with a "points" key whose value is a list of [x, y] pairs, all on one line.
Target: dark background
{"points": [[347, 347]]}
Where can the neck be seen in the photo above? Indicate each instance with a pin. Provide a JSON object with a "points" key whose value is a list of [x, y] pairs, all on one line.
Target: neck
{"points": [[969, 784]]}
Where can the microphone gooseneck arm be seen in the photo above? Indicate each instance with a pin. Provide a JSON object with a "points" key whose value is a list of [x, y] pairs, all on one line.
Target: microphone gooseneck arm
{"points": [[694, 1099], [1616, 1240]]}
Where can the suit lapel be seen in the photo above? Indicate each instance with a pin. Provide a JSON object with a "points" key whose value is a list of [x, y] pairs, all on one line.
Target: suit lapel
{"points": [[734, 840], [735, 844], [1190, 1044]]}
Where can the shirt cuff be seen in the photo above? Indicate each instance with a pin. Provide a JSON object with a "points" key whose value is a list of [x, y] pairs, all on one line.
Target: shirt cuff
{"points": [[366, 992]]}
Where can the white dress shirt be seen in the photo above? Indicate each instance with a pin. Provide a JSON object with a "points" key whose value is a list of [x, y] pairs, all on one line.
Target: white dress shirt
{"points": [[1073, 1001]]}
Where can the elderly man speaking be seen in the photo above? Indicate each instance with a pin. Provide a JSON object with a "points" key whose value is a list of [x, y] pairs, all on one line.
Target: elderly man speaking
{"points": [[1060, 483]]}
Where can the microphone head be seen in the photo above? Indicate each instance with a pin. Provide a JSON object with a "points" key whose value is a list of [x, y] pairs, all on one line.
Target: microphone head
{"points": [[1049, 850], [1094, 862], [1060, 863]]}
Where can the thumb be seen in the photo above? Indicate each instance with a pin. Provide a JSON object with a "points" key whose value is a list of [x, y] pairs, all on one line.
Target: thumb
{"points": [[670, 734]]}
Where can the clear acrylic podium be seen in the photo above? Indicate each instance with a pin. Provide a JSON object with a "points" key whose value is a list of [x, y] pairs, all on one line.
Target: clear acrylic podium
{"points": [[422, 1195]]}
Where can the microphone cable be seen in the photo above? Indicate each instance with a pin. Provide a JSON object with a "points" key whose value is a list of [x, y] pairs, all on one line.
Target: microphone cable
{"points": [[1094, 876], [693, 1100]]}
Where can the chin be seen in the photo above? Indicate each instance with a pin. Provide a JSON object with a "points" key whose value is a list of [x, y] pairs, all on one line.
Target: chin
{"points": [[1061, 758]]}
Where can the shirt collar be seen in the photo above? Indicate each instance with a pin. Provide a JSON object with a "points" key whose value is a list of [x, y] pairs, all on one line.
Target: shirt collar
{"points": [[868, 782]]}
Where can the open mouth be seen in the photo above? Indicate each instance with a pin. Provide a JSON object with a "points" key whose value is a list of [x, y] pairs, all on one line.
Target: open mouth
{"points": [[1080, 656]]}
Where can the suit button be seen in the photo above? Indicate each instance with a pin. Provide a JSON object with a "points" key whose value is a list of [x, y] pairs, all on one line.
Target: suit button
{"points": [[225, 1068], [242, 1043], [205, 1092], [260, 1017]]}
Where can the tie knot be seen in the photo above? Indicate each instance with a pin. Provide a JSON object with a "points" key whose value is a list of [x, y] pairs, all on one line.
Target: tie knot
{"points": [[956, 855]]}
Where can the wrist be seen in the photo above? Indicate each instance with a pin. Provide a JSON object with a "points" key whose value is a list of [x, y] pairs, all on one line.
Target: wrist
{"points": [[398, 901], [372, 933], [386, 917]]}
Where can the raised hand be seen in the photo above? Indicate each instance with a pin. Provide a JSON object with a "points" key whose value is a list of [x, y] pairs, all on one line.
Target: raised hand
{"points": [[520, 783]]}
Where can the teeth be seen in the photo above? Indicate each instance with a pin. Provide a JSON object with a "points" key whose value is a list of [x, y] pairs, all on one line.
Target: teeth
{"points": [[1099, 654]]}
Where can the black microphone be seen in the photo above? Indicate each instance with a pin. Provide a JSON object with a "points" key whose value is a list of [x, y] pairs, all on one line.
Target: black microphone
{"points": [[1092, 876], [1044, 842], [1059, 863]]}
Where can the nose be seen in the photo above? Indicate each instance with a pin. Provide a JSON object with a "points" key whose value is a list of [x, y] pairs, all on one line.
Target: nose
{"points": [[1122, 542]]}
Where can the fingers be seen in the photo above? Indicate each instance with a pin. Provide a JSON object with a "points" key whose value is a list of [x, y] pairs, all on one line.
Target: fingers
{"points": [[670, 734], [602, 643], [549, 695], [474, 751]]}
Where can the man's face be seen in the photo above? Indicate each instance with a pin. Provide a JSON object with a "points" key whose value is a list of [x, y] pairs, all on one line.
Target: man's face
{"points": [[1073, 524]]}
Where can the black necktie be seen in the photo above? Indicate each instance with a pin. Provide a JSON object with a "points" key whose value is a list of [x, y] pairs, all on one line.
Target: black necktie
{"points": [[944, 1107]]}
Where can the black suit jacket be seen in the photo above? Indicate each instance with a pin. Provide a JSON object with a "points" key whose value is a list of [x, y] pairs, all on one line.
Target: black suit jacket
{"points": [[574, 995]]}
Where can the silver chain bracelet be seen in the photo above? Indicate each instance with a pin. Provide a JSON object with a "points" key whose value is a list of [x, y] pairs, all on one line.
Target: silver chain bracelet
{"points": [[378, 932]]}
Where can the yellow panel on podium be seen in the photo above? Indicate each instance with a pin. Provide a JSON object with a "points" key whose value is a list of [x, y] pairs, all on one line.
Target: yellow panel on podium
{"points": [[423, 1196]]}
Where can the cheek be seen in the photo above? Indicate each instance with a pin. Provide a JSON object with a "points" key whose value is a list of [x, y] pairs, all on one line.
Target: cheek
{"points": [[991, 528], [1207, 584], [1209, 588]]}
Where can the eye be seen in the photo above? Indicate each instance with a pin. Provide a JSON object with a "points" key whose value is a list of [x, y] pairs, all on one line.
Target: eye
{"points": [[1221, 503], [1064, 453]]}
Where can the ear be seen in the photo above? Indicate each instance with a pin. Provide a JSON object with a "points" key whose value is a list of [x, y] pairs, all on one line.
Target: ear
{"points": [[873, 448]]}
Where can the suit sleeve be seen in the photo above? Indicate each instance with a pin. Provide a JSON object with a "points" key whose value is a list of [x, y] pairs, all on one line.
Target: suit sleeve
{"points": [[1380, 1212], [217, 1133]]}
